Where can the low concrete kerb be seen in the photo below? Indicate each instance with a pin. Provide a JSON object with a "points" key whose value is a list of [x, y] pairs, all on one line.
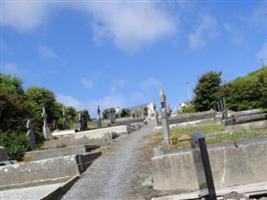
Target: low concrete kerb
{"points": [[60, 191]]}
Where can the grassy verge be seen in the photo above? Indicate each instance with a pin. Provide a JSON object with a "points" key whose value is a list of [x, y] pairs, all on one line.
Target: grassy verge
{"points": [[209, 130]]}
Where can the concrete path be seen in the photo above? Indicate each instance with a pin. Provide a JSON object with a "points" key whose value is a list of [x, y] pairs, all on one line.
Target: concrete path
{"points": [[110, 176]]}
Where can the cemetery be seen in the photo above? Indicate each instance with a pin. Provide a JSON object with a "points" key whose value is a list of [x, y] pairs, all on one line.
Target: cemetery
{"points": [[215, 153]]}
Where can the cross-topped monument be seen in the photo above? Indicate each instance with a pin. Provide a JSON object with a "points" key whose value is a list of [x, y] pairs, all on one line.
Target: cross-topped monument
{"points": [[164, 119]]}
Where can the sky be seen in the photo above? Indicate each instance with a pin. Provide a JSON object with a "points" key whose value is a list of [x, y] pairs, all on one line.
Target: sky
{"points": [[121, 53]]}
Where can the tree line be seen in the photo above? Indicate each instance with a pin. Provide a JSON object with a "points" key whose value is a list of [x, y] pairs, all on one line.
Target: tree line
{"points": [[242, 93]]}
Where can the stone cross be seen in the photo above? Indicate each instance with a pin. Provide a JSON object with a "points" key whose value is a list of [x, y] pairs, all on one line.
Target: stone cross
{"points": [[99, 122], [30, 134], [46, 130], [164, 119]]}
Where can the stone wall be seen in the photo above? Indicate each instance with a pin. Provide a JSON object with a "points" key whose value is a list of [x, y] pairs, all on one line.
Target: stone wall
{"points": [[230, 165]]}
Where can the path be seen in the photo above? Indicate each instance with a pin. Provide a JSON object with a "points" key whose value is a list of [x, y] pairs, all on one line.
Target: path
{"points": [[110, 177]]}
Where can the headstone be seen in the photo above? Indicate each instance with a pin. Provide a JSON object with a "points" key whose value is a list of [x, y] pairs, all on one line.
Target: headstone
{"points": [[99, 121], [164, 119], [46, 130], [202, 166], [3, 154], [156, 113], [30, 134], [83, 122], [112, 117]]}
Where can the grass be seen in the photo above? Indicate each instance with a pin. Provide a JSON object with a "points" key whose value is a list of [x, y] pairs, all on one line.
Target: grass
{"points": [[205, 129], [208, 130]]}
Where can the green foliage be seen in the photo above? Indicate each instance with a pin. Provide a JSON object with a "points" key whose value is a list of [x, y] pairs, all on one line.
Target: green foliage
{"points": [[206, 91], [15, 143], [247, 92], [125, 112], [145, 111], [189, 109], [107, 111], [85, 114], [39, 98], [14, 108]]}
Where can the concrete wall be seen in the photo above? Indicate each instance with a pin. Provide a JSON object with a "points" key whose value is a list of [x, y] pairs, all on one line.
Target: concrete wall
{"points": [[230, 165], [247, 126], [187, 117], [128, 121], [44, 171], [51, 153]]}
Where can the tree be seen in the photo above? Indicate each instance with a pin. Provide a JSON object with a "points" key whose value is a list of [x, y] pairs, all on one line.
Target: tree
{"points": [[125, 112], [145, 111], [14, 108], [39, 98], [107, 111], [247, 92], [206, 91]]}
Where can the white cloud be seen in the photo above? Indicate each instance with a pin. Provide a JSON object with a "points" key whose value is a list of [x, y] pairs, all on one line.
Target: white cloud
{"points": [[117, 85], [262, 54], [69, 101], [87, 83], [204, 31], [235, 34], [129, 25], [24, 15], [47, 52], [151, 83], [10, 68]]}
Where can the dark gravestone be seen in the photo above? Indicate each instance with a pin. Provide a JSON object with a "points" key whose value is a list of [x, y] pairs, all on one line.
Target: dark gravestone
{"points": [[202, 165]]}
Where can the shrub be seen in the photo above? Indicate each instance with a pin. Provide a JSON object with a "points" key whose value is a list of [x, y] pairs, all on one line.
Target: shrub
{"points": [[15, 143]]}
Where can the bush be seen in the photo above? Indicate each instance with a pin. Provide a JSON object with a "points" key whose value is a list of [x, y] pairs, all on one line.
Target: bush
{"points": [[15, 143]]}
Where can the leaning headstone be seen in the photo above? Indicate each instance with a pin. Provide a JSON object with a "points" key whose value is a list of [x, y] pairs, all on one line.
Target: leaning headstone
{"points": [[164, 119], [99, 121], [30, 134], [46, 130], [202, 166], [3, 154]]}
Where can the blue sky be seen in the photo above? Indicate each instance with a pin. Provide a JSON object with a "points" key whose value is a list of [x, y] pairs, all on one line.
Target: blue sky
{"points": [[119, 53]]}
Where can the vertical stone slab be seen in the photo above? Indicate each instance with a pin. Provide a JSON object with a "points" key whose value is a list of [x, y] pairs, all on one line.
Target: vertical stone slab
{"points": [[46, 130], [164, 120], [30, 134], [99, 121]]}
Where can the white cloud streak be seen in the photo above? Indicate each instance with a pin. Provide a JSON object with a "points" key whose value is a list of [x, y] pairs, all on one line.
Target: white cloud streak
{"points": [[48, 53], [204, 32], [129, 25]]}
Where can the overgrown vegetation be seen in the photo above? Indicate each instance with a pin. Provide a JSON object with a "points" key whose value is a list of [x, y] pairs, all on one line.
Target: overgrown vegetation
{"points": [[243, 93], [18, 105], [15, 143]]}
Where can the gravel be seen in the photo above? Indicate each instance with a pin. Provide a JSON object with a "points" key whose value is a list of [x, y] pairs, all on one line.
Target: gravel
{"points": [[111, 175]]}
